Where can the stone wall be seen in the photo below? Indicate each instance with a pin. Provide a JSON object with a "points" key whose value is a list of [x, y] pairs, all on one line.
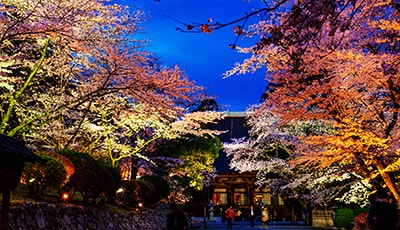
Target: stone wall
{"points": [[36, 216]]}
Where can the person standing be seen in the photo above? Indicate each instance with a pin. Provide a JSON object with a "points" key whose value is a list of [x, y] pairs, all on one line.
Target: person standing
{"points": [[221, 213], [382, 214], [252, 216], [230, 214], [211, 210], [176, 219], [264, 216]]}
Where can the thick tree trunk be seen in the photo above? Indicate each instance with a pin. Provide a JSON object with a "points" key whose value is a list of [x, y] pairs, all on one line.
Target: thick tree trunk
{"points": [[388, 181]]}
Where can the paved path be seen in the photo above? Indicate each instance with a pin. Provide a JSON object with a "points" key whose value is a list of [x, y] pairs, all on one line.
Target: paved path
{"points": [[246, 226]]}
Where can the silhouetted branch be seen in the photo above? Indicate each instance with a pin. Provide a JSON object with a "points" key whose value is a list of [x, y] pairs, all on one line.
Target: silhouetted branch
{"points": [[209, 26]]}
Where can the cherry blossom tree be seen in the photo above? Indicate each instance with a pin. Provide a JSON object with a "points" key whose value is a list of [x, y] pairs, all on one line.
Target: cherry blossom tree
{"points": [[73, 75], [339, 67], [336, 62], [268, 151], [61, 58]]}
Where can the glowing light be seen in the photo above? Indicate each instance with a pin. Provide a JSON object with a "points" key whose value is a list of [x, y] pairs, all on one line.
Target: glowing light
{"points": [[65, 196], [120, 190], [140, 204], [31, 180]]}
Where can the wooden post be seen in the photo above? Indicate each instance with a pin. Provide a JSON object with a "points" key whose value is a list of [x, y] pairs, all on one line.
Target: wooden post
{"points": [[5, 208]]}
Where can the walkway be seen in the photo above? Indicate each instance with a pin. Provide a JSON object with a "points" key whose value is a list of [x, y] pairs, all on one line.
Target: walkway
{"points": [[246, 226]]}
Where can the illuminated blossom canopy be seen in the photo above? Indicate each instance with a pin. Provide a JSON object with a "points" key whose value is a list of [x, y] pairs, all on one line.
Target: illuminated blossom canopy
{"points": [[336, 62], [64, 63], [73, 74]]}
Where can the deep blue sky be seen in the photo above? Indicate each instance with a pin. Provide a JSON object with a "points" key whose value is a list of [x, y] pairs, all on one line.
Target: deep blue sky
{"points": [[204, 57]]}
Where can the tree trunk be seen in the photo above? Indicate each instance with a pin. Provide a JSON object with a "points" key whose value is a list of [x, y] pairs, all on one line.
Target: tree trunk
{"points": [[388, 181]]}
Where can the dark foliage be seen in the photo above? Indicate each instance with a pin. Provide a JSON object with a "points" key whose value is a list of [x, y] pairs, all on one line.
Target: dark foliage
{"points": [[41, 178], [127, 195], [90, 178], [162, 188], [344, 217]]}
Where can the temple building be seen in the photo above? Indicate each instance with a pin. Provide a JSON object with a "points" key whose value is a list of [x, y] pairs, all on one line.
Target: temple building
{"points": [[238, 189]]}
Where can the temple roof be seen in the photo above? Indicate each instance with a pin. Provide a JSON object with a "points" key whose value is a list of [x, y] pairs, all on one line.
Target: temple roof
{"points": [[235, 125], [13, 148]]}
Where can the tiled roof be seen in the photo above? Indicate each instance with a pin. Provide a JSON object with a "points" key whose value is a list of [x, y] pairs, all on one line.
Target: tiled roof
{"points": [[11, 147], [235, 125]]}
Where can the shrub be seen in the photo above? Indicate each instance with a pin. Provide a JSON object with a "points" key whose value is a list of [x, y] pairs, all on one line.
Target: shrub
{"points": [[127, 194], [344, 217], [162, 188], [112, 181], [41, 178], [146, 191], [88, 178]]}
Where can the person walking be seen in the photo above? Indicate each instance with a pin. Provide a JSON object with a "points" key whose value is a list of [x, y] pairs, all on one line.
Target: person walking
{"points": [[230, 214], [252, 216], [382, 214]]}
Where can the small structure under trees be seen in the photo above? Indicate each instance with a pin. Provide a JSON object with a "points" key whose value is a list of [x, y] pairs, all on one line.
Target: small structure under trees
{"points": [[13, 155]]}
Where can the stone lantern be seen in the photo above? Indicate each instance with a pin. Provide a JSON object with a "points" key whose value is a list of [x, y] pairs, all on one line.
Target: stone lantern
{"points": [[13, 155]]}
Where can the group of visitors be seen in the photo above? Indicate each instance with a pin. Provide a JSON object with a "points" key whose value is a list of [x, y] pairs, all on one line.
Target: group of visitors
{"points": [[176, 219], [230, 214], [382, 215]]}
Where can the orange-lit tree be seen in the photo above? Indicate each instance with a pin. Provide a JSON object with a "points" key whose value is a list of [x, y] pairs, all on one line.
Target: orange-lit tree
{"points": [[336, 62], [268, 151], [60, 59], [73, 73]]}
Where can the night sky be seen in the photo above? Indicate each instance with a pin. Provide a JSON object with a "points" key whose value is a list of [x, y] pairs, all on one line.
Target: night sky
{"points": [[203, 57]]}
